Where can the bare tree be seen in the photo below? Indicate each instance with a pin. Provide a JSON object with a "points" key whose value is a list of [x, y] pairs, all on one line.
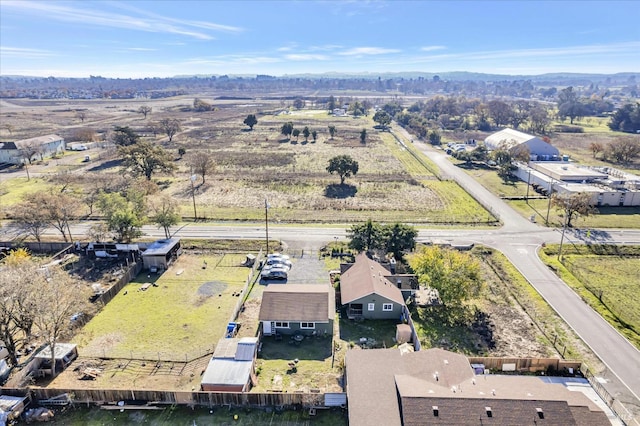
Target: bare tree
{"points": [[10, 128], [145, 110], [170, 126], [165, 213], [29, 216], [573, 204], [58, 298], [30, 150], [202, 164], [82, 115], [60, 209]]}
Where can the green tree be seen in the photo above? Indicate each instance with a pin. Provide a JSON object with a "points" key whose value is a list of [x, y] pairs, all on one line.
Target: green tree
{"points": [[314, 135], [344, 166], [299, 103], [363, 136], [306, 133], [569, 105], [181, 152], [332, 131], [251, 121], [124, 216], [382, 118], [399, 239], [287, 129], [626, 119], [165, 213], [296, 133], [455, 274], [366, 237], [572, 205], [435, 138], [170, 126], [124, 136], [500, 112], [145, 158], [331, 104]]}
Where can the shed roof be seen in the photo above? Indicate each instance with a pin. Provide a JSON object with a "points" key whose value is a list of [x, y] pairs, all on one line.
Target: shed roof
{"points": [[37, 141], [365, 277], [297, 302], [240, 349], [229, 372], [62, 350], [160, 247]]}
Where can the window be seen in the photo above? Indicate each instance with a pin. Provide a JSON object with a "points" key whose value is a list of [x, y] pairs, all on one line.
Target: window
{"points": [[308, 325], [387, 307], [282, 325], [371, 306]]}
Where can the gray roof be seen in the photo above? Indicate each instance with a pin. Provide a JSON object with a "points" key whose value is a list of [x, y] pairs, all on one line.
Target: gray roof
{"points": [[160, 247], [227, 372], [62, 350], [37, 141], [242, 349], [509, 137]]}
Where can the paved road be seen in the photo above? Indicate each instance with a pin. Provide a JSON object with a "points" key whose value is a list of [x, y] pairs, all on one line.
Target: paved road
{"points": [[518, 240]]}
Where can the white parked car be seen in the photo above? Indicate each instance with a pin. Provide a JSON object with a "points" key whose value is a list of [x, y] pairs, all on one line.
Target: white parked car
{"points": [[273, 261], [274, 273]]}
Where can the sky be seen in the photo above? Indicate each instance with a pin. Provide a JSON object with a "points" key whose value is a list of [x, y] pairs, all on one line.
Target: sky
{"points": [[162, 38]]}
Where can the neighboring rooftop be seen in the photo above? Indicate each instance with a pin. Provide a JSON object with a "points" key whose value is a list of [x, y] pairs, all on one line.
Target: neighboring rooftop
{"points": [[297, 302], [437, 386], [566, 171], [365, 277]]}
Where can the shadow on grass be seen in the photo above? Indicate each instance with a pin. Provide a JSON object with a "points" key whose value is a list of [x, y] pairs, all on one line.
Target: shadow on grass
{"points": [[379, 333], [462, 329], [311, 348], [106, 165], [337, 190]]}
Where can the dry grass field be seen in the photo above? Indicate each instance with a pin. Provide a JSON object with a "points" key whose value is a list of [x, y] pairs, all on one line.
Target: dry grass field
{"points": [[251, 166]]}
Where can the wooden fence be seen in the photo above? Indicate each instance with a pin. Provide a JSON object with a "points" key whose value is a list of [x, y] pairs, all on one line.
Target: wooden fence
{"points": [[130, 274], [44, 247], [205, 399]]}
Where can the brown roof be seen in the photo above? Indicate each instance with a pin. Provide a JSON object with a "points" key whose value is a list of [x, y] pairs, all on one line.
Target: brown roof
{"points": [[436, 377], [367, 277], [297, 302]]}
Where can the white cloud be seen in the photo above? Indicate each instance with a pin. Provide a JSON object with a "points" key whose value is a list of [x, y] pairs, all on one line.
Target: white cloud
{"points": [[25, 53], [147, 23], [360, 51], [432, 48], [305, 57], [141, 49]]}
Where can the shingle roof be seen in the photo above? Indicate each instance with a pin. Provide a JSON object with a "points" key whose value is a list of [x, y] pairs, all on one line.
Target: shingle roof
{"points": [[367, 277], [297, 302], [406, 387]]}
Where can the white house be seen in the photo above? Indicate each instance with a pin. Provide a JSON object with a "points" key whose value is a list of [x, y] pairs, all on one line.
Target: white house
{"points": [[510, 139], [34, 148]]}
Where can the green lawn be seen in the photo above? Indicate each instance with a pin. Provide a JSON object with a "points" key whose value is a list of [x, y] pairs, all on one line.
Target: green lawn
{"points": [[177, 318], [604, 277]]}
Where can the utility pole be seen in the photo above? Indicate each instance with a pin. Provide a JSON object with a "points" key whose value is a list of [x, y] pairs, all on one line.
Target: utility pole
{"points": [[564, 228], [193, 195], [546, 222], [528, 184], [266, 222]]}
